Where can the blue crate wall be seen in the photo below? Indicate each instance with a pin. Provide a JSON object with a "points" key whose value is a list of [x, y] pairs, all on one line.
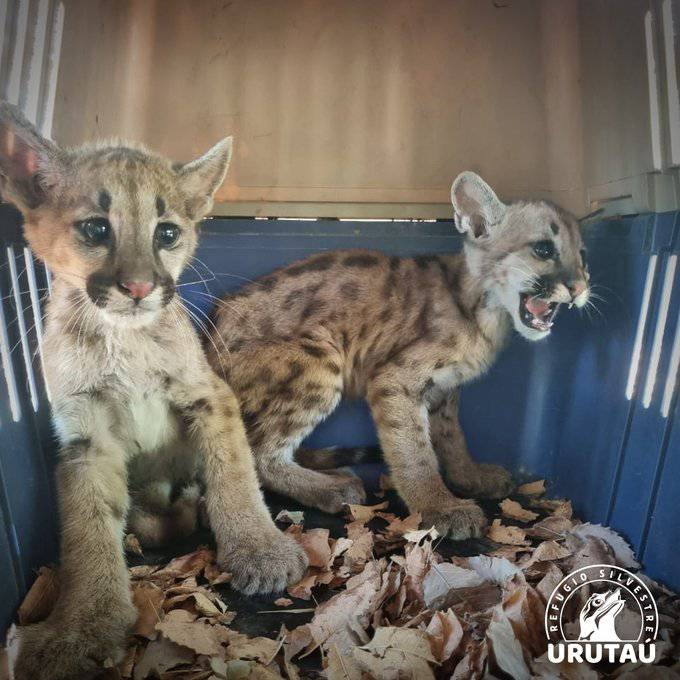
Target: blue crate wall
{"points": [[28, 528], [557, 408]]}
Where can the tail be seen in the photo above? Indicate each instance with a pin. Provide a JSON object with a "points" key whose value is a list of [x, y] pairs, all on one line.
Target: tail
{"points": [[335, 457]]}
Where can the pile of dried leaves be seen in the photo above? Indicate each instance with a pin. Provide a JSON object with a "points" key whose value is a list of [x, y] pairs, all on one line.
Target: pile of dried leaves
{"points": [[395, 607]]}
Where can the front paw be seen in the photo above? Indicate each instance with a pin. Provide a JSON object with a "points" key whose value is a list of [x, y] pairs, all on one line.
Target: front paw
{"points": [[495, 482], [483, 481], [343, 489], [265, 564], [458, 519], [64, 650]]}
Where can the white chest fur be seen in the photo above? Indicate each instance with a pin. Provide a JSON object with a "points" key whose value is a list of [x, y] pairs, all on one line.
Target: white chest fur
{"points": [[148, 420], [125, 374]]}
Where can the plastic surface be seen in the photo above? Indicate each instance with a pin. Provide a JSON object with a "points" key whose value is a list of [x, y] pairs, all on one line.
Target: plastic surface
{"points": [[555, 409]]}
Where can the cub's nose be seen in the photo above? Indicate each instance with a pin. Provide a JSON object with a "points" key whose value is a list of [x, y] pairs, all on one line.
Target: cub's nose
{"points": [[576, 288], [137, 290]]}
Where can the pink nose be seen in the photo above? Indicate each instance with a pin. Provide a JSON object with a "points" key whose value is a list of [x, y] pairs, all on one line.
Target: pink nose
{"points": [[137, 290], [576, 288]]}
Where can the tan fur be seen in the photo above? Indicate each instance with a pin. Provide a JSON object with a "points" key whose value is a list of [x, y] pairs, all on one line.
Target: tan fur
{"points": [[403, 332], [136, 407]]}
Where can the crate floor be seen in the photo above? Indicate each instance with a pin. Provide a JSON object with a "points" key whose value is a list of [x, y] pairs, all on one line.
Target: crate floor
{"points": [[252, 618], [404, 603]]}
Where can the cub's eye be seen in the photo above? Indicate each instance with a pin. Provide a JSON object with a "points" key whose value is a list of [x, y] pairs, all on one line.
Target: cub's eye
{"points": [[95, 230], [544, 250], [166, 234]]}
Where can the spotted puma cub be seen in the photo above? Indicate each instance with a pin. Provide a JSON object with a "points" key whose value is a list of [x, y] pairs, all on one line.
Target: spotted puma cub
{"points": [[137, 409], [404, 332]]}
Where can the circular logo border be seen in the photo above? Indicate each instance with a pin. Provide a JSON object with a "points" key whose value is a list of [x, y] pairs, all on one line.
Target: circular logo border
{"points": [[570, 576]]}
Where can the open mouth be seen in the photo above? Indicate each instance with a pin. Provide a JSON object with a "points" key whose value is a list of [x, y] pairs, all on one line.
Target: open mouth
{"points": [[537, 313]]}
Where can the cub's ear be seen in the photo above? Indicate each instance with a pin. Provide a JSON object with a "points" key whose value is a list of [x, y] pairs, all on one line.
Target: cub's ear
{"points": [[31, 167], [200, 179], [477, 208]]}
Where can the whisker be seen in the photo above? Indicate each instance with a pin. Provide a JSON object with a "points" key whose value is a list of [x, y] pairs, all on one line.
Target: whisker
{"points": [[22, 292], [206, 333], [219, 302], [238, 276], [203, 264], [203, 281], [185, 328]]}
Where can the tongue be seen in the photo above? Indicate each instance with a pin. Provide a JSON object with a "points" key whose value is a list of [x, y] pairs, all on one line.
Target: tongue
{"points": [[537, 306]]}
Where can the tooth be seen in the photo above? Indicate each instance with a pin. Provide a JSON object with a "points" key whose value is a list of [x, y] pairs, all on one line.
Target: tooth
{"points": [[571, 304]]}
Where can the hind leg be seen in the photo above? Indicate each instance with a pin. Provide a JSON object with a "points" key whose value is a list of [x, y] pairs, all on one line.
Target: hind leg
{"points": [[285, 390], [478, 480]]}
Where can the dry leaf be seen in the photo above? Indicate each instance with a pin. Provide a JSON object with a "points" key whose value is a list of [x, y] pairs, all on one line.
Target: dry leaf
{"points": [[160, 656], [550, 528], [40, 599], [182, 628], [536, 488], [506, 534], [524, 609], [143, 571], [563, 509], [495, 569], [509, 552], [315, 543], [283, 602], [547, 670], [132, 545], [148, 598], [442, 578], [342, 620], [341, 667], [473, 665], [303, 588], [397, 528], [506, 649], [290, 517], [192, 564], [127, 666], [548, 551], [623, 553], [513, 510], [445, 633], [360, 551], [365, 513], [397, 653], [260, 648], [587, 551], [549, 582], [557, 508], [215, 576], [420, 534]]}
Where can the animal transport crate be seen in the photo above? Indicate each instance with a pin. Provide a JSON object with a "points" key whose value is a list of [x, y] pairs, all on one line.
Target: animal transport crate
{"points": [[593, 409], [576, 101]]}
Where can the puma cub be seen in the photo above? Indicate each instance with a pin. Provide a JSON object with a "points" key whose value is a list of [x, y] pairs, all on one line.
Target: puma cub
{"points": [[136, 407], [405, 333]]}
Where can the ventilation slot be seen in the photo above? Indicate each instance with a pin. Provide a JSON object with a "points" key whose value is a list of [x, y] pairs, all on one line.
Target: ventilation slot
{"points": [[640, 332], [23, 333]]}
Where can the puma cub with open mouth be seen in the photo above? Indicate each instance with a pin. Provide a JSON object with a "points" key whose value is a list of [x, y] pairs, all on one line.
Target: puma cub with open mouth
{"points": [[405, 333]]}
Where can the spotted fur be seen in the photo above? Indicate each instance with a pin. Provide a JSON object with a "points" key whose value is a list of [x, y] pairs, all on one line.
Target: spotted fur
{"points": [[140, 416], [404, 332]]}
